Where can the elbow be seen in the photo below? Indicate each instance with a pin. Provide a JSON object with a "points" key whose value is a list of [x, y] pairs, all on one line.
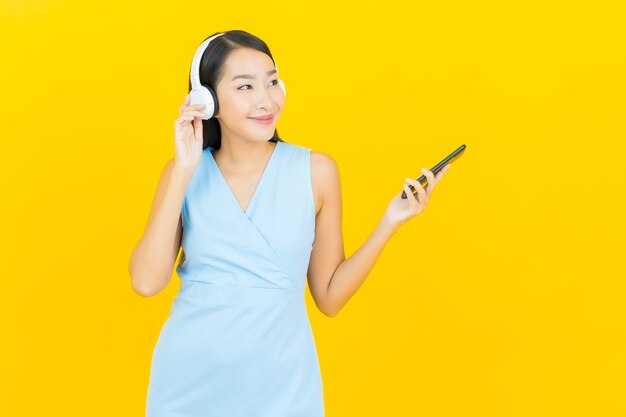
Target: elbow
{"points": [[324, 309], [325, 305], [329, 312], [141, 285], [142, 290]]}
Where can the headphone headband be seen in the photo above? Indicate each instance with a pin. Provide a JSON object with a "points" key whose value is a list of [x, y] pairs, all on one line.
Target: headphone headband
{"points": [[195, 64]]}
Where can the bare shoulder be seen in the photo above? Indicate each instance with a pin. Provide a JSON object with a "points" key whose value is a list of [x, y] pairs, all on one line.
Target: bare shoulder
{"points": [[325, 178]]}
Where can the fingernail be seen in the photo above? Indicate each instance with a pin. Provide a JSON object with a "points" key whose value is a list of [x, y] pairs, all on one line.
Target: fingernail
{"points": [[424, 170]]}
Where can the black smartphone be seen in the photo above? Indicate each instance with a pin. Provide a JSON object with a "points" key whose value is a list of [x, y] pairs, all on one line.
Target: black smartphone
{"points": [[447, 160]]}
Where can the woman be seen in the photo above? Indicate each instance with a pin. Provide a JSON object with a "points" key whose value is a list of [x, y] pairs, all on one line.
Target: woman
{"points": [[258, 215]]}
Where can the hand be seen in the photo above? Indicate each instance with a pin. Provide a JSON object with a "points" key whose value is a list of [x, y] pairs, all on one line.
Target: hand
{"points": [[188, 135], [400, 210]]}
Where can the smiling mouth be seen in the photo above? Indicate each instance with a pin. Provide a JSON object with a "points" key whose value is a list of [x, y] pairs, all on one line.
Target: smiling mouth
{"points": [[264, 118]]}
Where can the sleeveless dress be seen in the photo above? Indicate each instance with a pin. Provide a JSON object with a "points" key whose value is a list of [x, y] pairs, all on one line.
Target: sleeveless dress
{"points": [[238, 341]]}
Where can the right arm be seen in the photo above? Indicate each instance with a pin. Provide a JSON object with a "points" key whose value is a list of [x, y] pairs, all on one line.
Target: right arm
{"points": [[152, 261]]}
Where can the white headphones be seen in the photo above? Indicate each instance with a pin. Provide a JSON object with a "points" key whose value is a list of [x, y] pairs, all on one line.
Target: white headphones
{"points": [[203, 94]]}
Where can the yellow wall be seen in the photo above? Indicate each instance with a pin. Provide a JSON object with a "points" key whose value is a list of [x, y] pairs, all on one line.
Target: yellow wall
{"points": [[504, 298]]}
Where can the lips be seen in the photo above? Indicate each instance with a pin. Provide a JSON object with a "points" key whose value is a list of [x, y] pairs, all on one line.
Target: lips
{"points": [[264, 118]]}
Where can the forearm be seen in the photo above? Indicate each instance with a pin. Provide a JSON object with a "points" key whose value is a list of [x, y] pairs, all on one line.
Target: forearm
{"points": [[351, 273], [151, 259]]}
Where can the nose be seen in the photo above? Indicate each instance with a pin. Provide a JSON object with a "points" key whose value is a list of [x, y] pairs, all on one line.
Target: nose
{"points": [[265, 98]]}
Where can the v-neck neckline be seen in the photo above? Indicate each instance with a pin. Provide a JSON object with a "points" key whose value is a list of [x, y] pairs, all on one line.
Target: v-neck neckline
{"points": [[258, 184]]}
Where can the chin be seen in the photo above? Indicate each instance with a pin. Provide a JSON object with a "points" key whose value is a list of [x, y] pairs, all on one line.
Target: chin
{"points": [[261, 137], [261, 133]]}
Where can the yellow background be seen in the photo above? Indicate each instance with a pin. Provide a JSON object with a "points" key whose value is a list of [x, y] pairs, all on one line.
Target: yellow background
{"points": [[504, 298]]}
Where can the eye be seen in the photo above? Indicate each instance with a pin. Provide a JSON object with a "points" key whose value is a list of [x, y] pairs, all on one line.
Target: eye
{"points": [[248, 85]]}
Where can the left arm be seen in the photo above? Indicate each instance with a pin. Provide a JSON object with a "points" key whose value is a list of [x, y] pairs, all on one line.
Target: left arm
{"points": [[332, 278], [351, 273]]}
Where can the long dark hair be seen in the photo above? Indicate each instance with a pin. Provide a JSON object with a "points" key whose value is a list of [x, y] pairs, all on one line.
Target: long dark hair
{"points": [[212, 68]]}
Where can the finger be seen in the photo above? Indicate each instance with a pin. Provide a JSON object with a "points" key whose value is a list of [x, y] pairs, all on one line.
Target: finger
{"points": [[418, 187], [431, 179], [183, 119], [185, 103], [196, 106], [423, 196], [194, 113], [197, 124], [412, 201]]}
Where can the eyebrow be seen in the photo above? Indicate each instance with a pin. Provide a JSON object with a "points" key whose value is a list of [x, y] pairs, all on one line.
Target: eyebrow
{"points": [[252, 77]]}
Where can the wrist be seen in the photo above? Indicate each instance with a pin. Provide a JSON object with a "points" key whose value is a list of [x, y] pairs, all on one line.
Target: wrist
{"points": [[182, 174], [388, 226]]}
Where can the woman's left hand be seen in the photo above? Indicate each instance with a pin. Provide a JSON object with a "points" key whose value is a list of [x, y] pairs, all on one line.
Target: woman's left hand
{"points": [[402, 210]]}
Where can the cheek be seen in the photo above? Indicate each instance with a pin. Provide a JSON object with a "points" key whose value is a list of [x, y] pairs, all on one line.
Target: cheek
{"points": [[233, 105], [279, 102], [241, 106]]}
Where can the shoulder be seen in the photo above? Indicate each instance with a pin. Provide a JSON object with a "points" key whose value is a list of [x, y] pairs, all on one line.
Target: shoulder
{"points": [[323, 165], [325, 177]]}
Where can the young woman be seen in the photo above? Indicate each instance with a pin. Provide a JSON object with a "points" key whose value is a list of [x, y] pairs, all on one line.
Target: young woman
{"points": [[254, 215]]}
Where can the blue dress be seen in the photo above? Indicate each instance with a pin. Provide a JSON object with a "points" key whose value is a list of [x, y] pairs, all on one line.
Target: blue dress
{"points": [[238, 341]]}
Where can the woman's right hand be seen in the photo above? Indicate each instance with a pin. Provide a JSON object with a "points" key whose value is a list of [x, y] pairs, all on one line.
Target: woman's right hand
{"points": [[188, 135]]}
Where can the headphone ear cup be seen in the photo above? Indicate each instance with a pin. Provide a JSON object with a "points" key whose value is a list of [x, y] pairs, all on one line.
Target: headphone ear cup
{"points": [[205, 95], [282, 86]]}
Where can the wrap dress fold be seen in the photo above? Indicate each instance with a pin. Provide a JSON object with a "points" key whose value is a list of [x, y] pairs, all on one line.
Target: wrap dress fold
{"points": [[238, 341]]}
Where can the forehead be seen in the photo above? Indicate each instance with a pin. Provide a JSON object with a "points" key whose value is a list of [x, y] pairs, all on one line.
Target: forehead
{"points": [[247, 60]]}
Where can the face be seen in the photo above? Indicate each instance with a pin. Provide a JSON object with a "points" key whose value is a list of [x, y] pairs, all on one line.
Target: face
{"points": [[256, 94]]}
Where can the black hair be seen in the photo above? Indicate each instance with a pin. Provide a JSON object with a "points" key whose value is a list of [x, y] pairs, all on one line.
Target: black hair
{"points": [[212, 69]]}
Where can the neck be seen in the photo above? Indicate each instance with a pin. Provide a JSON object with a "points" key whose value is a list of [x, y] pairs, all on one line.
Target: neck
{"points": [[242, 156]]}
